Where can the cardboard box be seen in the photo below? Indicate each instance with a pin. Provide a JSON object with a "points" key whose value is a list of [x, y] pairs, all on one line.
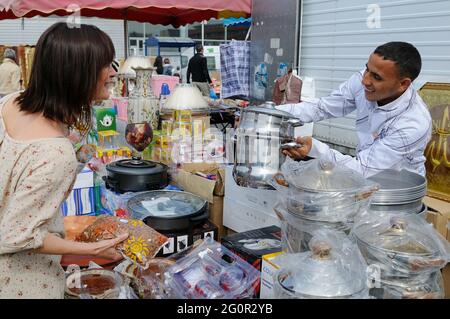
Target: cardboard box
{"points": [[84, 179], [439, 216], [179, 241], [253, 245], [446, 275], [210, 190], [247, 208], [269, 267], [240, 217], [229, 231], [216, 215], [164, 141], [187, 179], [258, 199]]}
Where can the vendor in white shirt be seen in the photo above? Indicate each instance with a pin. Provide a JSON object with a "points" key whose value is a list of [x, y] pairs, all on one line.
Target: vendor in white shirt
{"points": [[392, 121]]}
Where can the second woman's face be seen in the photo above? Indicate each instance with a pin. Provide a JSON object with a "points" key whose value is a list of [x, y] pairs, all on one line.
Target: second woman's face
{"points": [[105, 82]]}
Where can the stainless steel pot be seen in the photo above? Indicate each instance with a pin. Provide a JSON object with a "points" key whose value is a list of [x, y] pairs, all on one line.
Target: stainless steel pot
{"points": [[430, 287], [298, 231], [323, 272], [296, 238], [402, 246], [317, 195], [261, 134], [320, 191], [394, 210]]}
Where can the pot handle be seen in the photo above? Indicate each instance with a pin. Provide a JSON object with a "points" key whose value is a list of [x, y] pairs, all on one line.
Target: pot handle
{"points": [[110, 183], [277, 209], [157, 185], [290, 145], [292, 122], [278, 182], [365, 194], [424, 264]]}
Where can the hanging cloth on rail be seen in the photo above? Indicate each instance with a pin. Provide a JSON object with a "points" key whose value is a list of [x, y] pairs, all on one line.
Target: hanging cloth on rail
{"points": [[235, 68]]}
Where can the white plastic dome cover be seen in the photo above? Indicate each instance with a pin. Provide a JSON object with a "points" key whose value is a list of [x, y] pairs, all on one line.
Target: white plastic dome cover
{"points": [[186, 97]]}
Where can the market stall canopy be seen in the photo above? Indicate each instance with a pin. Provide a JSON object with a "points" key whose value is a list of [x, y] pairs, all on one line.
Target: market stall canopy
{"points": [[170, 42], [165, 12], [237, 21], [156, 43]]}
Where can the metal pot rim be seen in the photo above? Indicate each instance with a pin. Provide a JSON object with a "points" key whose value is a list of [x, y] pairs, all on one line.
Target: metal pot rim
{"points": [[193, 214], [356, 190], [322, 221], [307, 296], [268, 111]]}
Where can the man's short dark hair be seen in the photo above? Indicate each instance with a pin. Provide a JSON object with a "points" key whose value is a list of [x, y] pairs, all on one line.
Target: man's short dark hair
{"points": [[66, 68], [198, 48], [405, 55]]}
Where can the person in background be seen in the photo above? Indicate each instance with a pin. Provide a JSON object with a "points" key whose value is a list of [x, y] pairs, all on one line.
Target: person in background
{"points": [[159, 65], [167, 67], [37, 160], [178, 74], [393, 123], [9, 73], [197, 66]]}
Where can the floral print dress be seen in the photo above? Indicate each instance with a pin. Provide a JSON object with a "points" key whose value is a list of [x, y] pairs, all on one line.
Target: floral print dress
{"points": [[35, 178]]}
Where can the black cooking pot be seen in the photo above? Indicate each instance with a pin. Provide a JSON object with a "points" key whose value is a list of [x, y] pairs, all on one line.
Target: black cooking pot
{"points": [[169, 210], [135, 175]]}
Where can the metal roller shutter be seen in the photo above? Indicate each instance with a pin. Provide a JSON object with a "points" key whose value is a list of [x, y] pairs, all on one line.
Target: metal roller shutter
{"points": [[27, 31]]}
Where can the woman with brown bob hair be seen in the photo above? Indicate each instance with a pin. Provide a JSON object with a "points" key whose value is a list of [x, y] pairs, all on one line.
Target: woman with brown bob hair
{"points": [[71, 69]]}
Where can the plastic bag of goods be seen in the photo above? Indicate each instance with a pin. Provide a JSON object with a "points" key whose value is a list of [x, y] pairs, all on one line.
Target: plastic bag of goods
{"points": [[142, 244]]}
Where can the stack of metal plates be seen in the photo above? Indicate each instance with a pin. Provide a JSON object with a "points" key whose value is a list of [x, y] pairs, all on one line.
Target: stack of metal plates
{"points": [[400, 191]]}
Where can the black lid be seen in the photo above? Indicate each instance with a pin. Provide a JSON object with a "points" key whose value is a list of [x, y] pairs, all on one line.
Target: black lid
{"points": [[136, 166]]}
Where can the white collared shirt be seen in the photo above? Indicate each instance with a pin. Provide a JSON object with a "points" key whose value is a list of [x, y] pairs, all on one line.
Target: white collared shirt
{"points": [[392, 136]]}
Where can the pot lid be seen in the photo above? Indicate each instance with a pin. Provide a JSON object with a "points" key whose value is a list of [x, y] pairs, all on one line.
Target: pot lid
{"points": [[136, 166], [333, 268], [323, 176], [402, 235], [166, 204], [269, 109], [136, 162]]}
